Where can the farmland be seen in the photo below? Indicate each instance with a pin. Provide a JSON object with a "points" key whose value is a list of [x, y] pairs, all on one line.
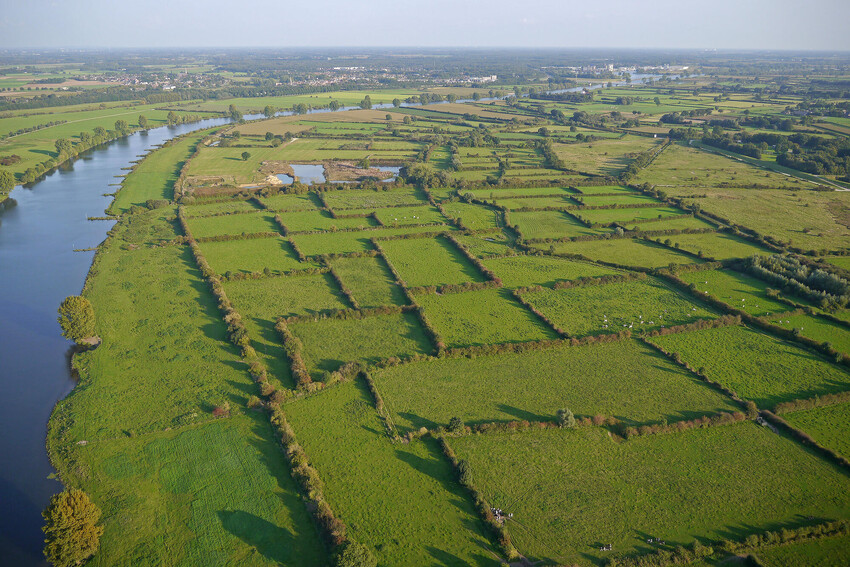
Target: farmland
{"points": [[542, 312]]}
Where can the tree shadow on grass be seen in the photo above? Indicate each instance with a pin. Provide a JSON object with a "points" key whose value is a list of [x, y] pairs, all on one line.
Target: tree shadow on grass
{"points": [[442, 557], [270, 541]]}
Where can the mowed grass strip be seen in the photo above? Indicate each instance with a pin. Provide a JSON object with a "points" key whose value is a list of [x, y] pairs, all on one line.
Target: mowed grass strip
{"points": [[430, 261], [757, 366], [572, 491], [253, 255], [218, 494], [401, 500], [736, 289], [534, 385], [550, 224], [247, 223], [330, 343], [622, 251], [828, 425], [637, 306], [490, 316], [527, 270], [370, 281]]}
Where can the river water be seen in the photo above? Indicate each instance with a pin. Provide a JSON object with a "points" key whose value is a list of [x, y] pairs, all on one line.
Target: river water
{"points": [[38, 269]]}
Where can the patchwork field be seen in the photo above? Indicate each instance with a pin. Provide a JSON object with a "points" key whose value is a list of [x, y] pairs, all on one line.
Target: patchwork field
{"points": [[829, 425], [737, 290], [236, 224], [528, 270], [623, 251], [445, 265], [253, 255], [550, 224]]}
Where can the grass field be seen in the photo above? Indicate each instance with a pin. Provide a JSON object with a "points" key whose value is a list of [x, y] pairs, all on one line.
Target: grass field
{"points": [[603, 309], [166, 327], [370, 281], [626, 216], [232, 206], [829, 552], [773, 371], [719, 246], [482, 317], [573, 491], [534, 385], [623, 251], [829, 425], [678, 223], [519, 271], [305, 202], [604, 157], [818, 329], [310, 221], [346, 242], [550, 224], [474, 217], [218, 494], [252, 255], [406, 506], [493, 243], [330, 343], [247, 223], [736, 289], [401, 216], [372, 199], [624, 199], [270, 298], [429, 261], [605, 189]]}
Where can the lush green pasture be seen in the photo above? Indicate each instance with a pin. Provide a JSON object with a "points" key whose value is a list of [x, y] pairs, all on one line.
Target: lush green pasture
{"points": [[493, 243], [829, 425], [208, 209], [482, 317], [828, 552], [550, 224], [623, 199], [154, 177], [818, 329], [228, 163], [719, 246], [309, 221], [430, 261], [345, 242], [270, 298], [474, 217], [637, 306], [217, 494], [252, 255], [680, 165], [526, 270], [604, 157], [738, 290], [401, 500], [808, 219], [305, 150], [572, 491], [623, 251], [241, 223], [534, 385], [556, 201], [368, 199], [625, 216], [370, 281], [305, 202], [842, 262], [772, 371], [498, 193], [401, 216], [164, 360], [678, 223], [605, 189], [330, 343]]}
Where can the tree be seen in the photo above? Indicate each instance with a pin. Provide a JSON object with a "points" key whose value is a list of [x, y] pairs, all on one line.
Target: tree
{"points": [[171, 118], [143, 122], [245, 156], [76, 317], [657, 101], [71, 531], [353, 554], [121, 126], [63, 146], [234, 113], [566, 418], [334, 105], [389, 117], [366, 103], [269, 136], [7, 180], [396, 102], [476, 96], [456, 425], [269, 111]]}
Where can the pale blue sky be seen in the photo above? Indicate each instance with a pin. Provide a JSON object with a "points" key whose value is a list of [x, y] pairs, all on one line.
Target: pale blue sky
{"points": [[721, 24]]}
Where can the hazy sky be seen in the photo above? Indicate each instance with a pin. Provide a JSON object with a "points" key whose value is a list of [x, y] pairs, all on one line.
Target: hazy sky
{"points": [[723, 24]]}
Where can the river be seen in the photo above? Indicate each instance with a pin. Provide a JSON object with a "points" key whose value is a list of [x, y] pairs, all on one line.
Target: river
{"points": [[38, 269]]}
